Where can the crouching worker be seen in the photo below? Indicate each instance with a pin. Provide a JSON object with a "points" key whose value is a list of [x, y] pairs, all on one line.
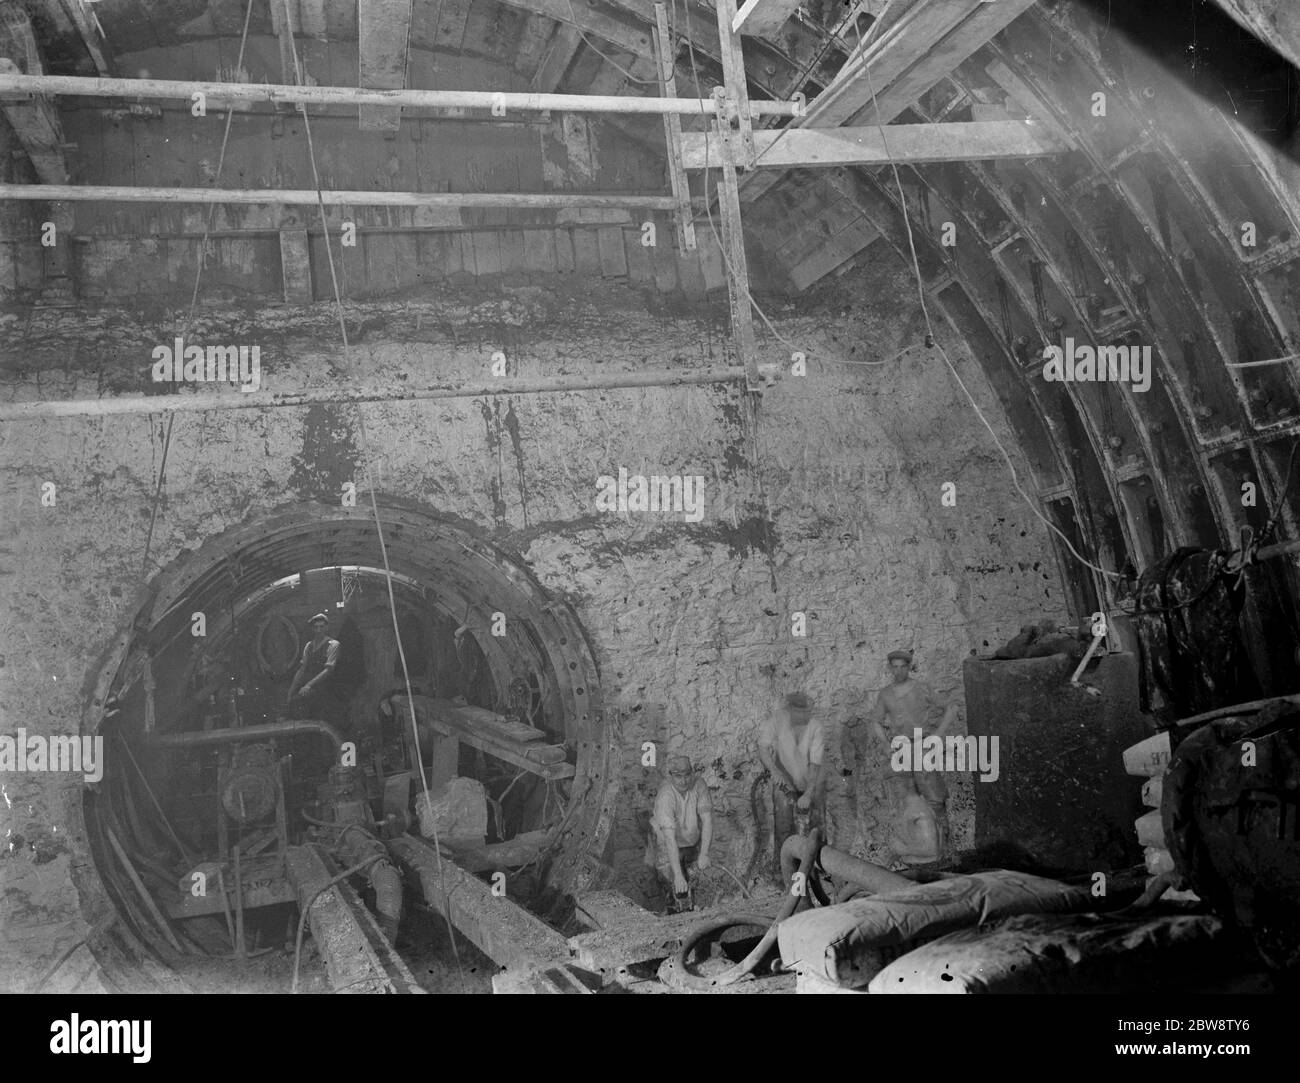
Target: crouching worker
{"points": [[681, 830]]}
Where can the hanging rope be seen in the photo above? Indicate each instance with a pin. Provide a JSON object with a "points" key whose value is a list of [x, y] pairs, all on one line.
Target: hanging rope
{"points": [[374, 504], [200, 264]]}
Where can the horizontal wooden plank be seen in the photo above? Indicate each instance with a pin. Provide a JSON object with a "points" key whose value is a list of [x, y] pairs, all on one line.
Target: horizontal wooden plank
{"points": [[914, 46], [257, 895], [493, 734], [903, 143]]}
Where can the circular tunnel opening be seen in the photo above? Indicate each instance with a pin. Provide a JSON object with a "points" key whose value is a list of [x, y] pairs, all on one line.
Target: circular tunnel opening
{"points": [[238, 730]]}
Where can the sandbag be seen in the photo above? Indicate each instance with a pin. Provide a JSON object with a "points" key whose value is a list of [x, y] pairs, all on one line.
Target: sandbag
{"points": [[1066, 953], [849, 944], [916, 834], [457, 812]]}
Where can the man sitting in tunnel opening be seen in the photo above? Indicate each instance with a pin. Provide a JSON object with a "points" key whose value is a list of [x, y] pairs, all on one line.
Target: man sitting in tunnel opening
{"points": [[791, 745], [314, 692], [681, 830]]}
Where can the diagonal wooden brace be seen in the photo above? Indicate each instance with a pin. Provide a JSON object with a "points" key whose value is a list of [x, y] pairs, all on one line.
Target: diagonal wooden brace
{"points": [[733, 252], [673, 133]]}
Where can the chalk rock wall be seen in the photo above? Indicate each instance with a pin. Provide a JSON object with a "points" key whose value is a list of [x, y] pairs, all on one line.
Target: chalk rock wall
{"points": [[827, 504]]}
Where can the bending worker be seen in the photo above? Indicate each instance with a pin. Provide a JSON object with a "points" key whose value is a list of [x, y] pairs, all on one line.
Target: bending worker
{"points": [[681, 828], [791, 745]]}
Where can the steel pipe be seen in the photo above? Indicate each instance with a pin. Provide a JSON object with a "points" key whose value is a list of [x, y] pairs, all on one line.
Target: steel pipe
{"points": [[233, 735], [179, 90], [130, 193], [239, 400]]}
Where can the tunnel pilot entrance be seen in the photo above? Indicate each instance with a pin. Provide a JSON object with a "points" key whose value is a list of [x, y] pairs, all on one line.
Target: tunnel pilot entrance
{"points": [[259, 738]]}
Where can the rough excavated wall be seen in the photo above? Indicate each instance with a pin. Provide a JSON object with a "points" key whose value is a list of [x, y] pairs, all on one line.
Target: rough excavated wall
{"points": [[691, 622]]}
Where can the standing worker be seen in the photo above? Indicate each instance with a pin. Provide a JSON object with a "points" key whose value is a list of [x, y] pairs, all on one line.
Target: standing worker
{"points": [[919, 797], [313, 693]]}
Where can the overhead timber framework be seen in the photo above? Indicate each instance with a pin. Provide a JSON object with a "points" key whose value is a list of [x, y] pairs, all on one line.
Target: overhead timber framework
{"points": [[908, 53]]}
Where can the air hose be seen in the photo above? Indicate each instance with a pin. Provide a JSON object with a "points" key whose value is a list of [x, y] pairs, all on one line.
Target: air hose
{"points": [[675, 971], [757, 855]]}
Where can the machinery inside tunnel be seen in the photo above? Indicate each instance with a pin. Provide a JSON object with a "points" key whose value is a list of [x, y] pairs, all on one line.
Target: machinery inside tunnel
{"points": [[709, 497], [232, 797]]}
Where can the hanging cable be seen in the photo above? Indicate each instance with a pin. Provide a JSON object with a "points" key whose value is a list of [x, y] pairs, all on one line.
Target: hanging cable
{"points": [[743, 287], [374, 504], [834, 36], [925, 311], [200, 264], [608, 60]]}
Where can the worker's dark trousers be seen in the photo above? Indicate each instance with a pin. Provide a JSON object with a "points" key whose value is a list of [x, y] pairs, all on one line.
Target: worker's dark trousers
{"points": [[786, 820], [322, 704]]}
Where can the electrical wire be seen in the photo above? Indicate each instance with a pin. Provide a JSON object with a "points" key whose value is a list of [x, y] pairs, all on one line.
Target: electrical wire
{"points": [[608, 60], [1015, 479], [200, 264], [374, 504], [860, 51], [833, 38], [741, 286], [925, 311]]}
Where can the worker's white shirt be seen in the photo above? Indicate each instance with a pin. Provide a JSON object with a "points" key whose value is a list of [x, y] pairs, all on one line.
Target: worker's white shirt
{"points": [[679, 813]]}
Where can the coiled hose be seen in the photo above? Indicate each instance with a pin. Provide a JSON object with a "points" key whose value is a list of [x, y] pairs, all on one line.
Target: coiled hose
{"points": [[676, 972]]}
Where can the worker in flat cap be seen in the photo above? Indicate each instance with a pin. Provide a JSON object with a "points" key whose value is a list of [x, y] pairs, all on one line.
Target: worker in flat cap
{"points": [[791, 745], [902, 707], [681, 830], [313, 693]]}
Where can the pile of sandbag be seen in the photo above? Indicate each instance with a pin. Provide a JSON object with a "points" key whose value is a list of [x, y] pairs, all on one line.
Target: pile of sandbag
{"points": [[1149, 759], [847, 945], [1067, 953], [1042, 640]]}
